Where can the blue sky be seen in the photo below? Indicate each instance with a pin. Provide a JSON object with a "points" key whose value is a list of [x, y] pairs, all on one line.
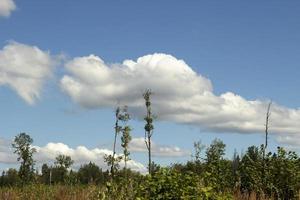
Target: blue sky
{"points": [[248, 48]]}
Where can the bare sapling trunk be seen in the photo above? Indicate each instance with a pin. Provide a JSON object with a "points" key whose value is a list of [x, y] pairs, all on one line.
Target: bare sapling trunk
{"points": [[117, 130], [266, 143]]}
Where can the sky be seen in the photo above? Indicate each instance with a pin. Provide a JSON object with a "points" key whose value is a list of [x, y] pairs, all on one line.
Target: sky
{"points": [[213, 68]]}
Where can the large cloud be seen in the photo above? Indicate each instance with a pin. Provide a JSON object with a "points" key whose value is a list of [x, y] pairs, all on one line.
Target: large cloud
{"points": [[180, 95], [94, 84], [6, 7], [25, 68], [80, 155]]}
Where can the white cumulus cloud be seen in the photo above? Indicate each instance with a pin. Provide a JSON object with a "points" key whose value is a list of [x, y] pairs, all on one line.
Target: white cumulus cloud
{"points": [[25, 68], [92, 83], [138, 145], [80, 155], [6, 7], [180, 95]]}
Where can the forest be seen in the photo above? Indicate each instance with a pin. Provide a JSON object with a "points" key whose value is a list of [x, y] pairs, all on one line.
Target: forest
{"points": [[208, 175]]}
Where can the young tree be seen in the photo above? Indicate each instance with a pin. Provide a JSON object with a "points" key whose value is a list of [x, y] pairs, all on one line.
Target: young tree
{"points": [[266, 144], [10, 178], [215, 151], [125, 139], [235, 170], [285, 174], [111, 160], [198, 147], [60, 171], [216, 165], [46, 174], [22, 145], [149, 126], [267, 127], [251, 170], [90, 173], [63, 161]]}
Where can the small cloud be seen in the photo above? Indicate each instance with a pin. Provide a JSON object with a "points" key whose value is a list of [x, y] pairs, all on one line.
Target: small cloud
{"points": [[138, 145], [6, 7]]}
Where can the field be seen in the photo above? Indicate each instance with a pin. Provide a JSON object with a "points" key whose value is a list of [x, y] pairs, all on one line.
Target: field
{"points": [[90, 192], [39, 191]]}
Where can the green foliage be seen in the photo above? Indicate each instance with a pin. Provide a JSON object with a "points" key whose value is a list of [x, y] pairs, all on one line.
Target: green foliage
{"points": [[90, 173], [22, 145], [121, 116], [251, 170], [215, 152], [113, 162], [59, 173], [240, 177], [63, 161], [115, 190], [10, 178], [148, 126], [283, 174], [254, 175], [171, 184], [218, 170], [45, 178], [125, 139], [198, 147]]}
